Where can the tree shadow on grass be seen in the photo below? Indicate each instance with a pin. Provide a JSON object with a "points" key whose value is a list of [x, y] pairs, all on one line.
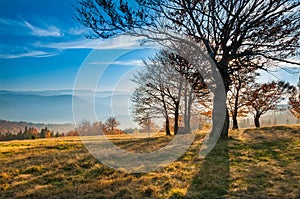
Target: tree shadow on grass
{"points": [[269, 168], [212, 181]]}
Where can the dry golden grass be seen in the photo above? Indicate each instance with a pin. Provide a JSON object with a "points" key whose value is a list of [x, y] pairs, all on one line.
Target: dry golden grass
{"points": [[254, 163]]}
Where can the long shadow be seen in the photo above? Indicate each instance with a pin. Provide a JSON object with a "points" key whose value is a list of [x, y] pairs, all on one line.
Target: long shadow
{"points": [[212, 181], [273, 170]]}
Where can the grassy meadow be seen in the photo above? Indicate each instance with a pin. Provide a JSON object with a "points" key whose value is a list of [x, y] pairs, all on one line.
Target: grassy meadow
{"points": [[253, 163]]}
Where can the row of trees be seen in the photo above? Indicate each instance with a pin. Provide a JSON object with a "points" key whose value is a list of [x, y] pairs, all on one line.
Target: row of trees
{"points": [[110, 126], [236, 34], [247, 96], [169, 87], [258, 99], [29, 133], [86, 128]]}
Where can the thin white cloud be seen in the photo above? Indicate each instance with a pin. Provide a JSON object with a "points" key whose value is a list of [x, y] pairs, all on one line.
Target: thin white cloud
{"points": [[50, 31], [11, 22], [121, 42], [122, 63], [27, 54], [76, 31]]}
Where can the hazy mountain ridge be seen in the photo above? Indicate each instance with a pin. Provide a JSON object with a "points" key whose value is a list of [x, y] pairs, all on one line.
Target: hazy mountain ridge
{"points": [[65, 92], [56, 106], [28, 107], [55, 110]]}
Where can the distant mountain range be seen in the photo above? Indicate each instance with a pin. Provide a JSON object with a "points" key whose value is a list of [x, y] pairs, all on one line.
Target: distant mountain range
{"points": [[54, 109], [55, 106], [62, 92]]}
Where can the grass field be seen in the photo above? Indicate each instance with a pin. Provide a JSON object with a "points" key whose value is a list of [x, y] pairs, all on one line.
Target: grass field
{"points": [[253, 163]]}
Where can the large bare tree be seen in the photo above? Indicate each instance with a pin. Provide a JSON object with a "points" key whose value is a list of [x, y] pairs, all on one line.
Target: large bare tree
{"points": [[254, 32]]}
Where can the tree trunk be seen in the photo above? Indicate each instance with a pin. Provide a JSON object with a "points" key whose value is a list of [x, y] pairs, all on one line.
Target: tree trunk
{"points": [[188, 123], [189, 111], [226, 80], [176, 122], [177, 103], [188, 100], [234, 122], [224, 133], [256, 121], [168, 132], [185, 105]]}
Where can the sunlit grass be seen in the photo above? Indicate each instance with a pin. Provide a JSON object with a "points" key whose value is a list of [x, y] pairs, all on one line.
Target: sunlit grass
{"points": [[254, 163]]}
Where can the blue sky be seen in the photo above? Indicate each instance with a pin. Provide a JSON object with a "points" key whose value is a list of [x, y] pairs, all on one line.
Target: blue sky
{"points": [[42, 47]]}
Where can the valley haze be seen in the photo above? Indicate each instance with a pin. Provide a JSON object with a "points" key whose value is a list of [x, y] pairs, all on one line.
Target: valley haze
{"points": [[55, 106]]}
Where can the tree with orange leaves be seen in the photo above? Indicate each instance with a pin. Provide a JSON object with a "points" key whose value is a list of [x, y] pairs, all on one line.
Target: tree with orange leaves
{"points": [[238, 90], [294, 103], [265, 97]]}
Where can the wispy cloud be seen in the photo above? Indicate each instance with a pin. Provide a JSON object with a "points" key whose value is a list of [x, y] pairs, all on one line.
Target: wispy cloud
{"points": [[76, 31], [122, 63], [50, 31], [47, 31], [52, 38], [121, 42], [28, 54], [11, 22]]}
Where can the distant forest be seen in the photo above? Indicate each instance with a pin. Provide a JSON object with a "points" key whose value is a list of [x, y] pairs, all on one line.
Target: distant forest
{"points": [[29, 133], [15, 127]]}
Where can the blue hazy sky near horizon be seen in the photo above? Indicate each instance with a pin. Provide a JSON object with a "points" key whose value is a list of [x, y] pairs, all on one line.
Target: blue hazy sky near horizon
{"points": [[42, 48]]}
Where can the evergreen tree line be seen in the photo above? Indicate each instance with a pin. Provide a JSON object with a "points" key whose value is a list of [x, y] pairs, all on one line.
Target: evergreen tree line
{"points": [[29, 133], [86, 128]]}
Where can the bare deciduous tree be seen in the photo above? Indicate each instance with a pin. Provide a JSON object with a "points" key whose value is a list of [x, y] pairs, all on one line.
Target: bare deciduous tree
{"points": [[150, 99], [164, 88]]}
